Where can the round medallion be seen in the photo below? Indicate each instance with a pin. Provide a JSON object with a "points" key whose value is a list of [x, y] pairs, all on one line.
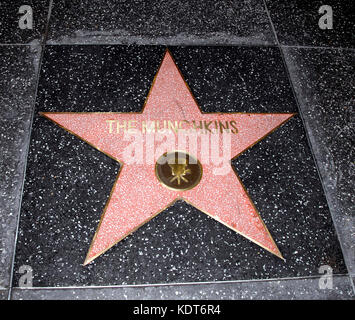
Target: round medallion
{"points": [[178, 170]]}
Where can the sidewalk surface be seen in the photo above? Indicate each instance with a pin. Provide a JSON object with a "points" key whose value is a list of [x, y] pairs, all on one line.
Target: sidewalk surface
{"points": [[252, 56]]}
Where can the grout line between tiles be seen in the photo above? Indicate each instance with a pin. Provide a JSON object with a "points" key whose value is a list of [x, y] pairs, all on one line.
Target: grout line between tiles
{"points": [[148, 285], [43, 44], [329, 203], [202, 43], [18, 44], [159, 44], [206, 43], [316, 47], [352, 283]]}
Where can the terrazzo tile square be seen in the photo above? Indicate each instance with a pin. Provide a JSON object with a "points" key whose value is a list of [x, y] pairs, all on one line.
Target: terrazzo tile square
{"points": [[18, 69], [297, 22], [159, 22], [23, 21], [3, 294], [324, 84], [68, 182]]}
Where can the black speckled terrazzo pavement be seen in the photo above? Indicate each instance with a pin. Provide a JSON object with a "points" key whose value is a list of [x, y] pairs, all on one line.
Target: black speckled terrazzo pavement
{"points": [[236, 56]]}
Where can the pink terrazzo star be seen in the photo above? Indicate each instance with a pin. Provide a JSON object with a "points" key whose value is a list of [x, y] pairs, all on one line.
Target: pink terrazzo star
{"points": [[138, 195]]}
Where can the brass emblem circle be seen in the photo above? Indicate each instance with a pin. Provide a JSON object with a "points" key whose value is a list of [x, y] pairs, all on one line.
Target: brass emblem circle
{"points": [[178, 170]]}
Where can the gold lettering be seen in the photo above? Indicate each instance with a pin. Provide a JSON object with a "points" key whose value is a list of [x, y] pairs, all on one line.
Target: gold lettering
{"points": [[131, 126], [159, 127], [172, 126], [146, 128], [197, 127], [207, 124], [110, 122], [180, 125], [222, 127], [234, 126], [123, 126]]}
